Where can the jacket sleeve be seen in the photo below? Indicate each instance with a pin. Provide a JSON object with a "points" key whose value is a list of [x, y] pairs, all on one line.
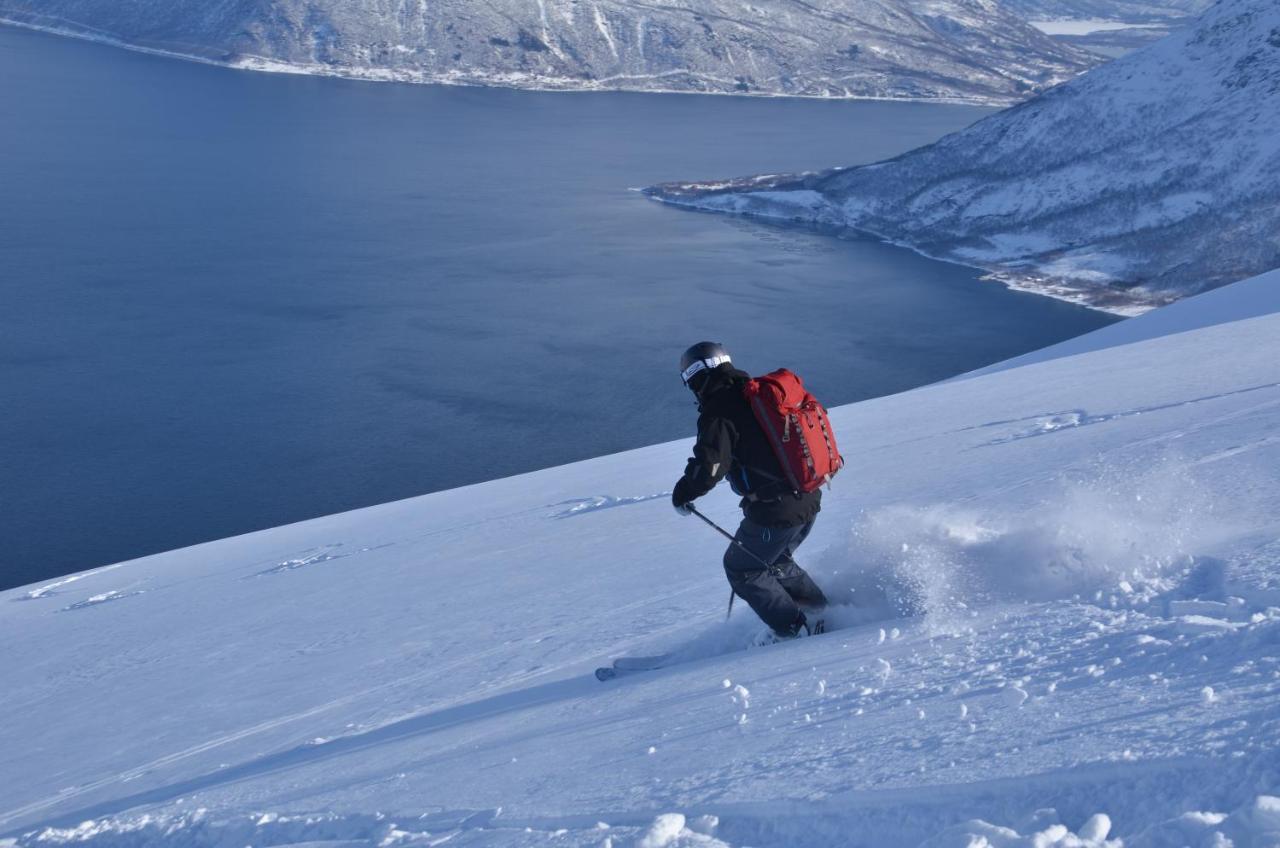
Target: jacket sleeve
{"points": [[712, 456]]}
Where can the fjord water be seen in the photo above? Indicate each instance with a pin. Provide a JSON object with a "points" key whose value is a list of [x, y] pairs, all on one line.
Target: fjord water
{"points": [[232, 300]]}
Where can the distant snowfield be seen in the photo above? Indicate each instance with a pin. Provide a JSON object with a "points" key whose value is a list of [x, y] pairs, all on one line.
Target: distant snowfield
{"points": [[1063, 630], [1087, 26]]}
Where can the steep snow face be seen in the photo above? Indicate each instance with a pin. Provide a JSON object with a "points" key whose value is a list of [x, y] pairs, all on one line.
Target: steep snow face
{"points": [[962, 50], [1062, 587], [1147, 179]]}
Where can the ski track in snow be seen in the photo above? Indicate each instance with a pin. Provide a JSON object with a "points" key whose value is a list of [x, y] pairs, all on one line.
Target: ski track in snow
{"points": [[581, 506], [329, 553], [1052, 422], [101, 598], [50, 589]]}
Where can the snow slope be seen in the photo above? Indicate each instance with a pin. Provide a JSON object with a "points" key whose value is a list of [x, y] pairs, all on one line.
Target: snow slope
{"points": [[1147, 179], [1220, 306], [955, 50], [1064, 630]]}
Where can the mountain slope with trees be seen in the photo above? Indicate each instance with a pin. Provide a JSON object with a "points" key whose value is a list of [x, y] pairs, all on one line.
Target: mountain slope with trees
{"points": [[955, 50], [1144, 180]]}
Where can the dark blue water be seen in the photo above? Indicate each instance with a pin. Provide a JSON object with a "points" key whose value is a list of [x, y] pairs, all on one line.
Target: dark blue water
{"points": [[230, 300]]}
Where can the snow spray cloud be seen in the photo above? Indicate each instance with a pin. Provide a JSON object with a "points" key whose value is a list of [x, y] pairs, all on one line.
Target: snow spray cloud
{"points": [[1078, 535]]}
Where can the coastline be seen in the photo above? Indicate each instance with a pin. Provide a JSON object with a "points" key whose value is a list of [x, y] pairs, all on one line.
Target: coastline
{"points": [[1112, 302], [1031, 281], [514, 81]]}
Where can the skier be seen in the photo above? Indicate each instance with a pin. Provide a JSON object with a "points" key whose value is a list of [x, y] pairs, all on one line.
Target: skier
{"points": [[776, 517]]}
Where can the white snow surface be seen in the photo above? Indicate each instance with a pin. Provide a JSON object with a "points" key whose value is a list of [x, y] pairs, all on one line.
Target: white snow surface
{"points": [[1062, 629], [1147, 179], [1084, 26]]}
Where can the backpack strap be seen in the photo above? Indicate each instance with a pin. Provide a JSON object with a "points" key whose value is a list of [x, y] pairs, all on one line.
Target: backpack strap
{"points": [[774, 489], [831, 450], [763, 417]]}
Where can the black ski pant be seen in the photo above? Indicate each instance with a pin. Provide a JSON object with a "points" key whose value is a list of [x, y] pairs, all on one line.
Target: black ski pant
{"points": [[780, 593]]}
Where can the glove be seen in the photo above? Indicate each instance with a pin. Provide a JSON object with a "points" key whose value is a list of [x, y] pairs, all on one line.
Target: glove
{"points": [[680, 499]]}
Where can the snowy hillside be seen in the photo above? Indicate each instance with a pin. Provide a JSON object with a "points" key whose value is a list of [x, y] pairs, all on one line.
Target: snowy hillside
{"points": [[1150, 178], [962, 50], [1064, 630]]}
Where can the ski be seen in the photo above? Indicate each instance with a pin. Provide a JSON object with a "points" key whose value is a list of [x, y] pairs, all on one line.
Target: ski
{"points": [[627, 665], [630, 665]]}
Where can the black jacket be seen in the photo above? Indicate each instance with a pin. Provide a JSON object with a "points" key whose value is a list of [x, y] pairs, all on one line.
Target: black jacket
{"points": [[732, 444]]}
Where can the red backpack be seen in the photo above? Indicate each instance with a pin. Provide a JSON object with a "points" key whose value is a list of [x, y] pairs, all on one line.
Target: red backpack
{"points": [[797, 427]]}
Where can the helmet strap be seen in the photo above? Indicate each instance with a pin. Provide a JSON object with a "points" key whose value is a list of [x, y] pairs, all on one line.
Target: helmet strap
{"points": [[699, 365]]}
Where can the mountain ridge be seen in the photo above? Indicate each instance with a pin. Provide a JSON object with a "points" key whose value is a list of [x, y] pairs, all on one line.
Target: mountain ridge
{"points": [[1144, 180], [947, 50]]}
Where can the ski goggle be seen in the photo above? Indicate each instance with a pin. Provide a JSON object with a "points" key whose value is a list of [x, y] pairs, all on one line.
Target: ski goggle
{"points": [[703, 365]]}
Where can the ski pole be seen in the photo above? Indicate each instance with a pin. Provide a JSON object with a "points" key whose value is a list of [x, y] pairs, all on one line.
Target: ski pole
{"points": [[726, 534], [741, 546]]}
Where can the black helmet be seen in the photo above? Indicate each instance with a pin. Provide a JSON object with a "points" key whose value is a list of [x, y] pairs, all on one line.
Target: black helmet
{"points": [[702, 357]]}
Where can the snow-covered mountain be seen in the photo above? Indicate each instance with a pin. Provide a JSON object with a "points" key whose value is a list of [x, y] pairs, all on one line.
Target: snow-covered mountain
{"points": [[1149, 178], [964, 50], [1087, 544]]}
